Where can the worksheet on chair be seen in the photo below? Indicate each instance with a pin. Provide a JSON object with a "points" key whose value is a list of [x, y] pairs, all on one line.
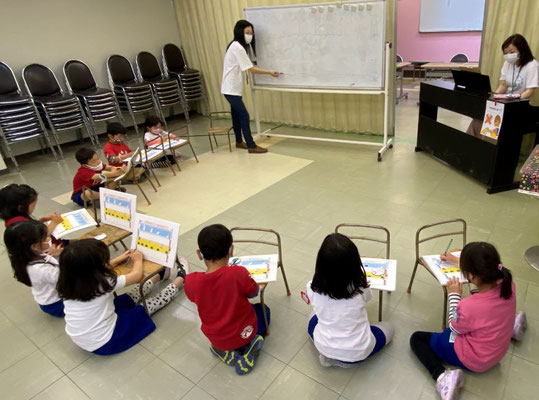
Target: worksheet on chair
{"points": [[72, 222], [263, 268], [118, 209], [443, 270], [381, 273]]}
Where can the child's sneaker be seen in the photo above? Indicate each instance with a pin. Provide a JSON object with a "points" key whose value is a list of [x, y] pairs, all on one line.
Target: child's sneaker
{"points": [[330, 362], [174, 272], [246, 361], [449, 383], [229, 357], [521, 323]]}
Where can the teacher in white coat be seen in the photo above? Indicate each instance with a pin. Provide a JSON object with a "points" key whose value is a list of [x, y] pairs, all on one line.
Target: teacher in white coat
{"points": [[236, 62]]}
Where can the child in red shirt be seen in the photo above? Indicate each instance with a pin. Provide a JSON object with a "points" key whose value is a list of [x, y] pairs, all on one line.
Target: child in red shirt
{"points": [[92, 174], [116, 151], [232, 324]]}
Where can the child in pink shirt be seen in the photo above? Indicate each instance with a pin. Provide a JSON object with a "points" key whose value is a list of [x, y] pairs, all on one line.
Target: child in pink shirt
{"points": [[480, 326]]}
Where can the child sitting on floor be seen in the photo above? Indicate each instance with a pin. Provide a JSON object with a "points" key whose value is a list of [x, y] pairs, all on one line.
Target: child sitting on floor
{"points": [[33, 259], [93, 174], [233, 326], [155, 135], [338, 293], [96, 320], [480, 326], [115, 150], [17, 203]]}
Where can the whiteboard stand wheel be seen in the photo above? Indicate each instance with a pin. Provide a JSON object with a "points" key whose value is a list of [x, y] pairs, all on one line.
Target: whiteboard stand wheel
{"points": [[391, 146], [379, 157]]}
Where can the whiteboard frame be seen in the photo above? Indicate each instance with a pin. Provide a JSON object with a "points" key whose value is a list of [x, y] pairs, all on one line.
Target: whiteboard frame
{"points": [[386, 144], [324, 89]]}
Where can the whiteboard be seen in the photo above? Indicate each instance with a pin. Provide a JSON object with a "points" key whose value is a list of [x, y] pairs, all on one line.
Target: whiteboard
{"points": [[451, 15], [325, 45]]}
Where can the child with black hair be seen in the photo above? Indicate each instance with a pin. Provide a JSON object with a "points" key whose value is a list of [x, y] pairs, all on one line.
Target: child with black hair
{"points": [[17, 203], [338, 293], [32, 257], [93, 174], [96, 320], [115, 150], [233, 325], [155, 135], [480, 326]]}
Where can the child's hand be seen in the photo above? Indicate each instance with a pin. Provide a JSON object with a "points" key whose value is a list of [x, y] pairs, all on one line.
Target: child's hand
{"points": [[56, 218], [447, 256], [55, 250], [453, 285], [136, 255]]}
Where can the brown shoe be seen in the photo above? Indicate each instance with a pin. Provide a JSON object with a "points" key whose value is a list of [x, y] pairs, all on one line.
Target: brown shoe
{"points": [[257, 150], [241, 145]]}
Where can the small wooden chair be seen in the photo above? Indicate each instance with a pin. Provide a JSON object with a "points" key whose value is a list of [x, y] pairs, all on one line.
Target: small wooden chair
{"points": [[387, 242], [114, 234], [136, 172], [276, 243], [419, 259], [220, 130]]}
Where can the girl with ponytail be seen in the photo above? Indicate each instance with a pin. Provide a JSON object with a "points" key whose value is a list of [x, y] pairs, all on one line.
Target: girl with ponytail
{"points": [[481, 326]]}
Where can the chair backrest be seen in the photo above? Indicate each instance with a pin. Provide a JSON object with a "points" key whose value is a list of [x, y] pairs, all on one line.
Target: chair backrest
{"points": [[40, 80], [459, 58], [399, 58], [148, 66], [8, 83], [372, 228], [173, 58], [450, 232], [120, 69], [78, 76]]}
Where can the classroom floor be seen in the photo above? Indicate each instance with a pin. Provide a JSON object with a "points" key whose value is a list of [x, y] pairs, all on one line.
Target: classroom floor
{"points": [[302, 190]]}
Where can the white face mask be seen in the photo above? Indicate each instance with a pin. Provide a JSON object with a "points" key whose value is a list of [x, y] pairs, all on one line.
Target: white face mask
{"points": [[45, 251], [511, 58], [96, 168], [248, 38]]}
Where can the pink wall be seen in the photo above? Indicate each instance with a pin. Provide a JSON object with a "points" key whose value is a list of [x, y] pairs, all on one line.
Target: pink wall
{"points": [[433, 46]]}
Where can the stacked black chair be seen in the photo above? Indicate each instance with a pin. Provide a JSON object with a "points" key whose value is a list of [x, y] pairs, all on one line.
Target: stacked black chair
{"points": [[133, 96], [100, 104], [61, 111], [166, 90], [19, 117], [190, 79]]}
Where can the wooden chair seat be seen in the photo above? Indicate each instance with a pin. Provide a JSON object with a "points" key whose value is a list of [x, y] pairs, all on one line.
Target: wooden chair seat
{"points": [[219, 129], [113, 233], [149, 268]]}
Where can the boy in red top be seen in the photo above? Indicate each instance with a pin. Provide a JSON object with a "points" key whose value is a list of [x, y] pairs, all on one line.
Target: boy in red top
{"points": [[93, 174], [232, 324], [116, 151]]}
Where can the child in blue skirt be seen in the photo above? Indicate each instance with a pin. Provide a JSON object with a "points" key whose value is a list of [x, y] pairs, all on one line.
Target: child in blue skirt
{"points": [[95, 320], [32, 256]]}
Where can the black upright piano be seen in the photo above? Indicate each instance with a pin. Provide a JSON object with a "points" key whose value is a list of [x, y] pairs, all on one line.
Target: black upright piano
{"points": [[493, 164]]}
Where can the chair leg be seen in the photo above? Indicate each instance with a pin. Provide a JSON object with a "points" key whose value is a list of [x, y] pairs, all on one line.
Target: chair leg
{"points": [[285, 280], [215, 140], [264, 312], [409, 290], [229, 142], [444, 322], [193, 150], [211, 144], [142, 191], [380, 304]]}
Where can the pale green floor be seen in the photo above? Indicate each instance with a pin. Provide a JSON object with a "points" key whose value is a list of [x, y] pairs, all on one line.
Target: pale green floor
{"points": [[343, 184]]}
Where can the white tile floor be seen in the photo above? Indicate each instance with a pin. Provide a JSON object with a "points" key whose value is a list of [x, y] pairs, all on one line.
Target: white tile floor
{"points": [[323, 185]]}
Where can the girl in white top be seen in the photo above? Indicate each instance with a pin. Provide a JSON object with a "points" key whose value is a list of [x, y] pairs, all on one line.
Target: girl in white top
{"points": [[235, 63], [155, 135], [31, 254], [338, 293], [520, 71], [95, 320]]}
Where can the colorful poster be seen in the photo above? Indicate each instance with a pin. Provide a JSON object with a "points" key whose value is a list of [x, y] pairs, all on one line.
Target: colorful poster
{"points": [[156, 238], [529, 179], [492, 122], [381, 273], [118, 209], [263, 268], [73, 221], [166, 145]]}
